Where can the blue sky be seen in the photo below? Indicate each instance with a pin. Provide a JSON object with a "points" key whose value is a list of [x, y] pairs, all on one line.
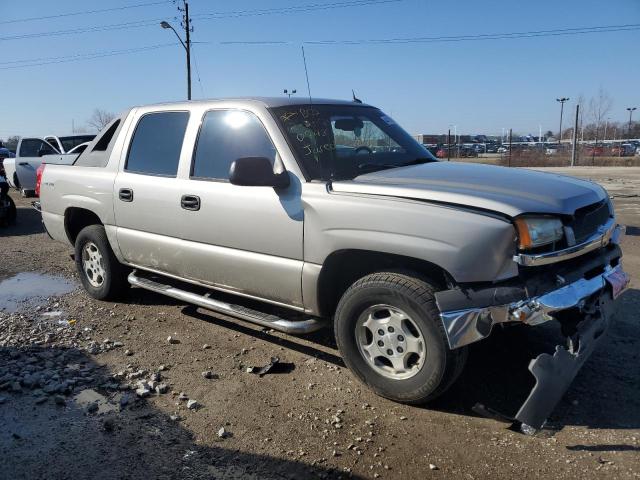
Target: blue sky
{"points": [[480, 86]]}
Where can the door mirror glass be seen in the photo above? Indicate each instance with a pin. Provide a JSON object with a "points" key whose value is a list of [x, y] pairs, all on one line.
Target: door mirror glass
{"points": [[256, 172]]}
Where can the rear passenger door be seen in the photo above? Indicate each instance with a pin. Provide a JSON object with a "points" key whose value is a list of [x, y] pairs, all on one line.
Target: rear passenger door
{"points": [[146, 194], [247, 240]]}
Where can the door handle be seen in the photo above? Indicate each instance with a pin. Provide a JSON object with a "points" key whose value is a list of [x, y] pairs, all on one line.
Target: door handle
{"points": [[126, 195], [24, 164], [190, 202]]}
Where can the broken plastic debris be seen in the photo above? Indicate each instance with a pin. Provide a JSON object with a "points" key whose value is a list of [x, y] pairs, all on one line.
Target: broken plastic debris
{"points": [[274, 366]]}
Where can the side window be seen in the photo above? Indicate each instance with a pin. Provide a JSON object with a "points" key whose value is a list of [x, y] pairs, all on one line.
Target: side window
{"points": [[33, 147], [225, 136], [156, 144]]}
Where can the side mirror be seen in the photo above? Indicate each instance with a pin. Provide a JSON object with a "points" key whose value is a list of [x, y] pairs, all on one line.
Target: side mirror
{"points": [[256, 172]]}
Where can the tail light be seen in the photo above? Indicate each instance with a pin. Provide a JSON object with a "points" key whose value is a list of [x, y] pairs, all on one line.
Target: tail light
{"points": [[39, 172]]}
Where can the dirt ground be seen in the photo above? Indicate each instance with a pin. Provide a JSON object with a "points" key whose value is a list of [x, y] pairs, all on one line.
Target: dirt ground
{"points": [[315, 421]]}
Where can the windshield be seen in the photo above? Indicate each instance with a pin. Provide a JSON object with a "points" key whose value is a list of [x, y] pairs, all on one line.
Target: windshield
{"points": [[344, 141]]}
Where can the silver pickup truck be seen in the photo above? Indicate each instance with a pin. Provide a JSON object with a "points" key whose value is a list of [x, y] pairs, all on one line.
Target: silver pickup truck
{"points": [[317, 212]]}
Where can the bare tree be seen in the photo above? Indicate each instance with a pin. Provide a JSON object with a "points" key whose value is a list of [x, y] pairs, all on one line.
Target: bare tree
{"points": [[600, 108], [100, 119]]}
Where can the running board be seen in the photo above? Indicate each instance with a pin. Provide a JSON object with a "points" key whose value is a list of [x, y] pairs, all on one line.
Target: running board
{"points": [[244, 313]]}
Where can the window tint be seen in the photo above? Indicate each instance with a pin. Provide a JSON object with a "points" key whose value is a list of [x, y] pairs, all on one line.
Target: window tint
{"points": [[225, 136], [103, 142], [156, 144], [31, 147]]}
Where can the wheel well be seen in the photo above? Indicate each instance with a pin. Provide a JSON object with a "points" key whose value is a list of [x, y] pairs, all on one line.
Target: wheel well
{"points": [[75, 219], [343, 268], [16, 180]]}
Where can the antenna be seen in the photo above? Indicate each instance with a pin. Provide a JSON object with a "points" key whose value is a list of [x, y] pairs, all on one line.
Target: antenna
{"points": [[304, 59], [355, 99]]}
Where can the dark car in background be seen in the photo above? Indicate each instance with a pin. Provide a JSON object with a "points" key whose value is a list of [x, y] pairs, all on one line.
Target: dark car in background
{"points": [[623, 150]]}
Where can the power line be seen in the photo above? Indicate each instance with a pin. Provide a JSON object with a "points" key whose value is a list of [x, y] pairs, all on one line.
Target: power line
{"points": [[455, 38], [537, 33], [294, 9], [206, 16], [35, 62], [84, 12], [97, 28]]}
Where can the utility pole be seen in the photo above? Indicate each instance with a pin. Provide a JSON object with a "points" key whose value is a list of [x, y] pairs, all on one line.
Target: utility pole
{"points": [[561, 100], [187, 28], [510, 150], [575, 137], [449, 146], [186, 25], [631, 109]]}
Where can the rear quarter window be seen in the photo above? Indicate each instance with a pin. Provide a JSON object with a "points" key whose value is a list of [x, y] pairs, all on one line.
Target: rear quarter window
{"points": [[156, 144]]}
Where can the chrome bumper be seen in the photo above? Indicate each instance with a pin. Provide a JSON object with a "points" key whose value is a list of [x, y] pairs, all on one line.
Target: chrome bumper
{"points": [[467, 326], [607, 232]]}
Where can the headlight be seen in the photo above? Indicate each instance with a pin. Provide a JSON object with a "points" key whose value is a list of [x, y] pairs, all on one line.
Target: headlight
{"points": [[537, 231]]}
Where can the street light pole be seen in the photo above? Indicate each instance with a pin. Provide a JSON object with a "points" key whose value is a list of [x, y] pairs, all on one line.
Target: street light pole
{"points": [[631, 109], [187, 45], [561, 100]]}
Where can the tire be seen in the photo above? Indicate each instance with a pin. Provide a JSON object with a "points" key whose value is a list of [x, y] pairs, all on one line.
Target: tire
{"points": [[427, 374], [108, 277], [16, 182]]}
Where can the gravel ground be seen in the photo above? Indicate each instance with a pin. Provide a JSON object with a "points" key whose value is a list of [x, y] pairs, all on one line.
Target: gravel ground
{"points": [[97, 390]]}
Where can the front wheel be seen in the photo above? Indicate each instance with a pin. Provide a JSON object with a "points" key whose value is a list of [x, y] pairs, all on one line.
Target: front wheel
{"points": [[102, 276], [389, 333]]}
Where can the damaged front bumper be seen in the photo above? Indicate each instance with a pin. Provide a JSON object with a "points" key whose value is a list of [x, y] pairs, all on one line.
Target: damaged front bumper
{"points": [[469, 314], [470, 325], [582, 300]]}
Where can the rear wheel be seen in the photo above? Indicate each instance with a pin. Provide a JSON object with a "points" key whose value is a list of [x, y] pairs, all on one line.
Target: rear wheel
{"points": [[390, 335], [102, 276]]}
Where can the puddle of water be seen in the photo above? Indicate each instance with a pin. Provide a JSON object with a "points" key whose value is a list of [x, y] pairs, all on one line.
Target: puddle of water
{"points": [[89, 396], [31, 287]]}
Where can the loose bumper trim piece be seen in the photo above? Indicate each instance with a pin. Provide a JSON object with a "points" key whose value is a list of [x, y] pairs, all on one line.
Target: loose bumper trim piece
{"points": [[470, 325], [555, 373]]}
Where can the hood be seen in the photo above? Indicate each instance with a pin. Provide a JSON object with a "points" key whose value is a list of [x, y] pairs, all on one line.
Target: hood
{"points": [[510, 191]]}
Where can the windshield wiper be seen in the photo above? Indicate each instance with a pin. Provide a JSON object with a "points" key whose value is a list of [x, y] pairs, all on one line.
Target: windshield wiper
{"points": [[377, 166]]}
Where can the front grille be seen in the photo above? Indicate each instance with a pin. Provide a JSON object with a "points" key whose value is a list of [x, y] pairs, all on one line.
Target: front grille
{"points": [[586, 220]]}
